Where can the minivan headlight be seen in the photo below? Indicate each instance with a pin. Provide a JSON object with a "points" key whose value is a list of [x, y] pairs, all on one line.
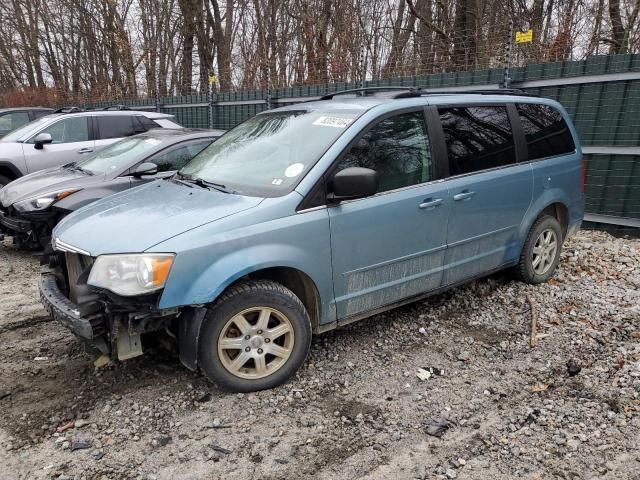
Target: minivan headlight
{"points": [[131, 274], [42, 202]]}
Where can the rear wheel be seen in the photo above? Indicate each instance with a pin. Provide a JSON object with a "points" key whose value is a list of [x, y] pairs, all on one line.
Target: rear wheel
{"points": [[255, 336], [541, 252]]}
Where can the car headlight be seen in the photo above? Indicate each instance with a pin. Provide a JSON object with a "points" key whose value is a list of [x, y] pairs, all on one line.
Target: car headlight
{"points": [[41, 202], [131, 274]]}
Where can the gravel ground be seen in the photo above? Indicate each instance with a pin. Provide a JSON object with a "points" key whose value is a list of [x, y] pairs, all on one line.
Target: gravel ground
{"points": [[491, 407]]}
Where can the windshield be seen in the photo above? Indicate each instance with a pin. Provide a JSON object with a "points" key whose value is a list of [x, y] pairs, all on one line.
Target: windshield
{"points": [[26, 129], [118, 156], [270, 153]]}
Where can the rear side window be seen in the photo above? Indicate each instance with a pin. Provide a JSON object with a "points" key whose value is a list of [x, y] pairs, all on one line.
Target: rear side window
{"points": [[117, 126], [477, 138], [397, 148], [13, 120], [545, 130], [40, 113]]}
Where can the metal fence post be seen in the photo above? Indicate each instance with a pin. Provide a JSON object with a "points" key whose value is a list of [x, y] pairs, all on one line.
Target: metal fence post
{"points": [[507, 64], [210, 102], [361, 66]]}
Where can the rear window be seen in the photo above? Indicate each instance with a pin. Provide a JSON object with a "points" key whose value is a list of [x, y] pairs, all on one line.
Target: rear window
{"points": [[477, 138], [546, 132]]}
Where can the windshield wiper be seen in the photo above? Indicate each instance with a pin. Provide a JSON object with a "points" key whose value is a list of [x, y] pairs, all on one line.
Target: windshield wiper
{"points": [[181, 179], [201, 182], [207, 184], [78, 168]]}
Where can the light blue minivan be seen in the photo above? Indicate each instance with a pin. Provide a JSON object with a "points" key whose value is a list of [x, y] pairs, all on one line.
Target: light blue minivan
{"points": [[312, 216]]}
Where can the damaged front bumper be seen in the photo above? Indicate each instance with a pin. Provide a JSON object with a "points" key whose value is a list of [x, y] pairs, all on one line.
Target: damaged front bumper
{"points": [[63, 310], [111, 323]]}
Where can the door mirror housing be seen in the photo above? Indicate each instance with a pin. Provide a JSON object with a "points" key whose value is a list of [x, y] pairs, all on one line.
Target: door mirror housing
{"points": [[145, 168], [353, 182], [41, 139]]}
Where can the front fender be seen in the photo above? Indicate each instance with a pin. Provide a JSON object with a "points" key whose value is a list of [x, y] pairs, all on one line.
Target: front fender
{"points": [[300, 241]]}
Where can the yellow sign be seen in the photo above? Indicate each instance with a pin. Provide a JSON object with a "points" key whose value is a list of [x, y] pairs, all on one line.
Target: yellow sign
{"points": [[212, 79], [524, 37]]}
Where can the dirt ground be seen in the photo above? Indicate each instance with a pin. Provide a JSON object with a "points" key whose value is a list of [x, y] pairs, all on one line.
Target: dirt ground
{"points": [[492, 408]]}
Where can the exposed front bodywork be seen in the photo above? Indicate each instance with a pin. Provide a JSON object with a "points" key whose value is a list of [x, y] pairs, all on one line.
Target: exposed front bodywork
{"points": [[111, 323]]}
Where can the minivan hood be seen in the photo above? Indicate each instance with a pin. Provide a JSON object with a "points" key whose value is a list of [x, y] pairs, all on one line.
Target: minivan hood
{"points": [[137, 219], [45, 181]]}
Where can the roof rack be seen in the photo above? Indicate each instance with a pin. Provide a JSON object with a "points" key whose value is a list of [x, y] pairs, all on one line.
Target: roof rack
{"points": [[411, 92], [116, 107], [68, 110], [363, 91], [418, 92]]}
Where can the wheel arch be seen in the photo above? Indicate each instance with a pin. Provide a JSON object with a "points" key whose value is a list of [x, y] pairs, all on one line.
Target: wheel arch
{"points": [[9, 170], [555, 203]]}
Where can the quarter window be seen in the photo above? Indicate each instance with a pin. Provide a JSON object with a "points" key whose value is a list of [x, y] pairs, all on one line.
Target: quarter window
{"points": [[69, 130], [477, 138], [397, 148], [546, 132]]}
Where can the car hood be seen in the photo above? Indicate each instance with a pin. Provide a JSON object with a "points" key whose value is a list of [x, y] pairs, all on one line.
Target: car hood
{"points": [[137, 219], [46, 181]]}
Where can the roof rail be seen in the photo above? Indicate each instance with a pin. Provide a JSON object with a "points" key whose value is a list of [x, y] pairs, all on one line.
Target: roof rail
{"points": [[418, 92], [411, 92], [363, 91], [117, 107], [68, 110]]}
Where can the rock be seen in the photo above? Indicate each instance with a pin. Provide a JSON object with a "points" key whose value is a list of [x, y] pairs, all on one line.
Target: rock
{"points": [[437, 427], [80, 444], [573, 368], [423, 374], [464, 356], [451, 473]]}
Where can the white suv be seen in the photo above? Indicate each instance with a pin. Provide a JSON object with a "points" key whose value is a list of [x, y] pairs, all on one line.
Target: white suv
{"points": [[63, 138]]}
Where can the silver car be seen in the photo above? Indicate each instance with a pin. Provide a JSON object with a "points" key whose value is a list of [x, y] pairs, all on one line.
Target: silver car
{"points": [[61, 138]]}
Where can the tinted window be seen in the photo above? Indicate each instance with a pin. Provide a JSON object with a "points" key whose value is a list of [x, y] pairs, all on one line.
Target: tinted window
{"points": [[147, 123], [546, 132], [117, 126], [40, 113], [11, 121], [178, 157], [477, 138], [72, 129], [397, 148]]}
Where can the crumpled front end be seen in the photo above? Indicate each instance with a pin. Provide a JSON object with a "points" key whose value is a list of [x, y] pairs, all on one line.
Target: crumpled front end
{"points": [[109, 322]]}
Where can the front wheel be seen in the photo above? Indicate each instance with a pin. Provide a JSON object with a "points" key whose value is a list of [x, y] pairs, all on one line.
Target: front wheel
{"points": [[254, 337], [541, 252]]}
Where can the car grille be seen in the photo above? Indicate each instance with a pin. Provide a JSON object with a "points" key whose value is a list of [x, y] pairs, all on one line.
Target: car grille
{"points": [[78, 268]]}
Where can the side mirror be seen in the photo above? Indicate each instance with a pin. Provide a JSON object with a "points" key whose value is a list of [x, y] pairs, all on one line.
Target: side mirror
{"points": [[41, 139], [353, 182], [145, 168]]}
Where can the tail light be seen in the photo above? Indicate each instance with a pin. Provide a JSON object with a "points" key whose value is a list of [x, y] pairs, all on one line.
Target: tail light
{"points": [[583, 173]]}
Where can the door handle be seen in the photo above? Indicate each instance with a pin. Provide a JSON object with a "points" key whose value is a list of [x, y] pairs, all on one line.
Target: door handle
{"points": [[430, 204], [85, 150], [463, 196]]}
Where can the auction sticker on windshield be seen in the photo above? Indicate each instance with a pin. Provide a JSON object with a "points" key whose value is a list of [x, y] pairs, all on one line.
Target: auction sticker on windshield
{"points": [[337, 122]]}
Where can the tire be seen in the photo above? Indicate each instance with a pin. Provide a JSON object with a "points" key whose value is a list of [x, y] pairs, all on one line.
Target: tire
{"points": [[257, 301], [538, 260], [3, 181]]}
